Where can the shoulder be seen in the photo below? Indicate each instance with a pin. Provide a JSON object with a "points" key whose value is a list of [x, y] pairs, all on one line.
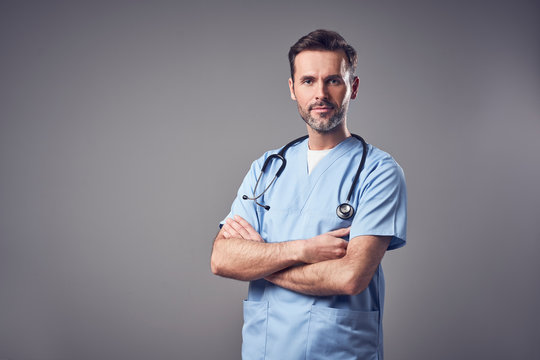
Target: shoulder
{"points": [[381, 167], [378, 159]]}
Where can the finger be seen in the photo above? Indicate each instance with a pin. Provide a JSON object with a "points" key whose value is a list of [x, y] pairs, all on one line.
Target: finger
{"points": [[236, 233], [340, 232], [224, 227], [227, 227], [243, 222], [252, 232], [240, 229], [226, 234]]}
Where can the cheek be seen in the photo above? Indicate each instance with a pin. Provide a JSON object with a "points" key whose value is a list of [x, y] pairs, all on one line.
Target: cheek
{"points": [[302, 99], [340, 95]]}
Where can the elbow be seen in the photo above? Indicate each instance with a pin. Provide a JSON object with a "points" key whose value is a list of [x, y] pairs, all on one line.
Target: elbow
{"points": [[221, 265], [221, 268], [216, 266], [218, 269], [354, 289], [354, 284]]}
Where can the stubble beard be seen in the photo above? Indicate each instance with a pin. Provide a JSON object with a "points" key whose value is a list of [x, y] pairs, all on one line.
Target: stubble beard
{"points": [[320, 125]]}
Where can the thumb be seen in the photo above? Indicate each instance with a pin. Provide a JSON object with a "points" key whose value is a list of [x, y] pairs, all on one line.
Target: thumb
{"points": [[340, 232]]}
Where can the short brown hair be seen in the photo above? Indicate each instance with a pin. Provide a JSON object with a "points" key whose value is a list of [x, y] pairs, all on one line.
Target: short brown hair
{"points": [[323, 40]]}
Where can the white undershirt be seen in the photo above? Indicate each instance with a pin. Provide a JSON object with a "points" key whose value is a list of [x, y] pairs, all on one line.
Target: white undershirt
{"points": [[314, 156]]}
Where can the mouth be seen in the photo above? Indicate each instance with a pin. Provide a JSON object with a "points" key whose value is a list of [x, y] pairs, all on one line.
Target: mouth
{"points": [[321, 108]]}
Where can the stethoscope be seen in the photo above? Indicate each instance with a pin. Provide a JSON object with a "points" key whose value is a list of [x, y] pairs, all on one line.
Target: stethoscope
{"points": [[344, 211]]}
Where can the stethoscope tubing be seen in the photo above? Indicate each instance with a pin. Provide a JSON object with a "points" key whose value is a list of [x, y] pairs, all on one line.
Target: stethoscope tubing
{"points": [[344, 211]]}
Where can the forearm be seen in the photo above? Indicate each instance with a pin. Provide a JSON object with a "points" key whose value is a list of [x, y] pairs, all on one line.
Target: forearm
{"points": [[242, 259], [240, 252], [349, 275], [330, 277]]}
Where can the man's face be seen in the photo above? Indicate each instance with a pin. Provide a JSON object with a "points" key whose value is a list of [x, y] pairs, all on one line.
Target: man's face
{"points": [[322, 88]]}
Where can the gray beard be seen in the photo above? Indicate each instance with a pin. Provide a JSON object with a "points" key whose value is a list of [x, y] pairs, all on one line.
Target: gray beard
{"points": [[324, 126]]}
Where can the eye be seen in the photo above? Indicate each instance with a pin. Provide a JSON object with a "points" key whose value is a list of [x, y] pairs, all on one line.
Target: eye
{"points": [[334, 82], [307, 81]]}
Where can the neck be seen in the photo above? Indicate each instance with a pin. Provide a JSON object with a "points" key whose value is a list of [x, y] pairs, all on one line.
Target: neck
{"points": [[327, 140]]}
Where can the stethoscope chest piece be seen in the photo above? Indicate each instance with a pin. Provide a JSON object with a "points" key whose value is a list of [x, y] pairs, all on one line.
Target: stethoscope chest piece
{"points": [[345, 211]]}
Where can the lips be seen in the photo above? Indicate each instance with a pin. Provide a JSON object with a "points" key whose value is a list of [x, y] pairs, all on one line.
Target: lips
{"points": [[321, 107], [321, 111]]}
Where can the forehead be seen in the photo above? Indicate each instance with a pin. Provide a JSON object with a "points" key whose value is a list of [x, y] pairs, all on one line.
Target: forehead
{"points": [[320, 61]]}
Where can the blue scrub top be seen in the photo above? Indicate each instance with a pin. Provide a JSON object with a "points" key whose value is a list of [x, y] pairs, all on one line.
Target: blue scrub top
{"points": [[280, 323]]}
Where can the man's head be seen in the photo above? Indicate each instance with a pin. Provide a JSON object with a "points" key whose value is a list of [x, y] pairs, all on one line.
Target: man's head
{"points": [[325, 40], [322, 79]]}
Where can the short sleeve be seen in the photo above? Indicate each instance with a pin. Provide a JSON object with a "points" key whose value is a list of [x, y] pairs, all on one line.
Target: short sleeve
{"points": [[246, 208], [382, 207]]}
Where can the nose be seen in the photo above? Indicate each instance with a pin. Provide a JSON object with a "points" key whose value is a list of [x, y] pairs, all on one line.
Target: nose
{"points": [[321, 91]]}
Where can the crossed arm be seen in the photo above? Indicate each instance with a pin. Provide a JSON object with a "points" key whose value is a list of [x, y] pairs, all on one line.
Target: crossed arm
{"points": [[322, 265]]}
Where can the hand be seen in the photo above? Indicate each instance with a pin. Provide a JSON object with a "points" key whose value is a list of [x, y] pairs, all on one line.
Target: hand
{"points": [[240, 228], [328, 246]]}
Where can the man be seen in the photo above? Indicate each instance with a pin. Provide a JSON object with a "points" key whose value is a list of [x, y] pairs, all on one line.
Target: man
{"points": [[316, 285]]}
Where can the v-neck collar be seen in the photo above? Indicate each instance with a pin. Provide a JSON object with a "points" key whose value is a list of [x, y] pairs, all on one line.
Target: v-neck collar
{"points": [[335, 153]]}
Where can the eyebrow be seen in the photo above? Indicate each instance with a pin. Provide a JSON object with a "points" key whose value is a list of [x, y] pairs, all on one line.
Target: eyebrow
{"points": [[306, 77], [310, 77], [334, 76]]}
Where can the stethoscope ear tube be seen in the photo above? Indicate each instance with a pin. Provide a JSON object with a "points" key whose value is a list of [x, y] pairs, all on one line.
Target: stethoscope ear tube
{"points": [[281, 156], [360, 167], [277, 156]]}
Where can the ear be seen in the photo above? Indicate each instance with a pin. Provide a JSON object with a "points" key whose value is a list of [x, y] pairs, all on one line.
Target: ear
{"points": [[355, 84], [291, 88]]}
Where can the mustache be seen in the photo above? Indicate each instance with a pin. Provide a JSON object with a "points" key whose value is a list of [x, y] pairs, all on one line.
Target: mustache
{"points": [[321, 104]]}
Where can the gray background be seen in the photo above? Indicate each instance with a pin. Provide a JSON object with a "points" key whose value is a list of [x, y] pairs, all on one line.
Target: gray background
{"points": [[126, 128]]}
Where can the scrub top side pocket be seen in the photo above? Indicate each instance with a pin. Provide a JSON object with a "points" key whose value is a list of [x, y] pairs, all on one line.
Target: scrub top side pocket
{"points": [[254, 330], [342, 334]]}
